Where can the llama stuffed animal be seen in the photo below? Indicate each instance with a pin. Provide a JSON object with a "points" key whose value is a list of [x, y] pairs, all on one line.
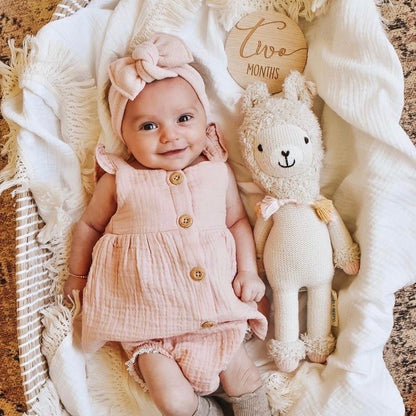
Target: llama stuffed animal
{"points": [[299, 235]]}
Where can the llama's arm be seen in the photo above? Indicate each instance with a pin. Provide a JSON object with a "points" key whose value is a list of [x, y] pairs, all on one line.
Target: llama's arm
{"points": [[346, 251], [261, 231]]}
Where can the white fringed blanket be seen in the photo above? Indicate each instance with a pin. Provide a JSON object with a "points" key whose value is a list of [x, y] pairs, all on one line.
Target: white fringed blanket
{"points": [[53, 100]]}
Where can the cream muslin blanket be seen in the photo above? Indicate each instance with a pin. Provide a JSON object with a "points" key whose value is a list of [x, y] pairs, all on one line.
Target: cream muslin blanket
{"points": [[54, 102]]}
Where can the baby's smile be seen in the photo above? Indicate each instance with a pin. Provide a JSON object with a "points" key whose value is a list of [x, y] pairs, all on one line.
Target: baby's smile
{"points": [[174, 152]]}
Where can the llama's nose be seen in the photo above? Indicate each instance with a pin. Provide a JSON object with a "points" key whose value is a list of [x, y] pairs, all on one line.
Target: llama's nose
{"points": [[285, 154]]}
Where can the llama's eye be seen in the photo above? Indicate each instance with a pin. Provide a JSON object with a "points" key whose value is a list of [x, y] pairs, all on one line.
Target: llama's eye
{"points": [[306, 139], [260, 148]]}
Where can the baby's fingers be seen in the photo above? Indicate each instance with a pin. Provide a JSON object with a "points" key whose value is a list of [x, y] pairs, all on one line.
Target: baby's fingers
{"points": [[259, 296], [237, 288], [259, 289], [251, 293], [247, 295]]}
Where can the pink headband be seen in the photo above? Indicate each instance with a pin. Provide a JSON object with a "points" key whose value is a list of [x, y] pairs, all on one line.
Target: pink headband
{"points": [[162, 56]]}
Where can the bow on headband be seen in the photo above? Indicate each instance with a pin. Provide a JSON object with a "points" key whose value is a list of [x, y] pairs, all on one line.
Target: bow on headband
{"points": [[153, 59], [162, 56]]}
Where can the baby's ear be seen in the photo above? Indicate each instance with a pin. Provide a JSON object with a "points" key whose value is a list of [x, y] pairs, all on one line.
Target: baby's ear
{"points": [[254, 95], [297, 88]]}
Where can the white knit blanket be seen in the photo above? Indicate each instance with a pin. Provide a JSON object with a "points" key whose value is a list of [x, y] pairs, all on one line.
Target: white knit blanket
{"points": [[53, 101]]}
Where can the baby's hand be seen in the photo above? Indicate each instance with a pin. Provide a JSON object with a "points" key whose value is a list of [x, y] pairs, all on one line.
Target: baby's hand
{"points": [[74, 283], [248, 286]]}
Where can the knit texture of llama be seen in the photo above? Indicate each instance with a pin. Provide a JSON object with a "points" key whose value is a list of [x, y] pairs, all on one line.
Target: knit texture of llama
{"points": [[300, 237]]}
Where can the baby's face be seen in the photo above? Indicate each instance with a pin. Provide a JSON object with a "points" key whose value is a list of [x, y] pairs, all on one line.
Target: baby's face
{"points": [[164, 127]]}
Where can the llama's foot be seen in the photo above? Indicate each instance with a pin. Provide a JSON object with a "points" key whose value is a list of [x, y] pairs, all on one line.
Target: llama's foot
{"points": [[286, 355], [318, 348]]}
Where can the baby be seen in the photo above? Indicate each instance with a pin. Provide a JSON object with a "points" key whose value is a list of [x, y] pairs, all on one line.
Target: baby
{"points": [[166, 244]]}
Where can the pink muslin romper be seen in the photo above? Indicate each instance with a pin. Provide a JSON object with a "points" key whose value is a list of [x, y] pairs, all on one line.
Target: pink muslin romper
{"points": [[164, 270]]}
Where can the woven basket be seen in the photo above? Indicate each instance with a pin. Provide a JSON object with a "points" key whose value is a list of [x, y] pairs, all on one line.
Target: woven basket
{"points": [[32, 277], [33, 280]]}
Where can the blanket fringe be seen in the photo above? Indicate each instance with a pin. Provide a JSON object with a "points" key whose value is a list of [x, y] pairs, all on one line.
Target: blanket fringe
{"points": [[57, 322], [229, 12], [78, 110], [283, 390], [306, 9], [77, 113], [47, 402], [109, 385], [158, 15], [13, 174]]}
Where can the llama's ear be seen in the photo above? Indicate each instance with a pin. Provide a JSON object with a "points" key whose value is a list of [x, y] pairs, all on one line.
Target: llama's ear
{"points": [[297, 88], [255, 94]]}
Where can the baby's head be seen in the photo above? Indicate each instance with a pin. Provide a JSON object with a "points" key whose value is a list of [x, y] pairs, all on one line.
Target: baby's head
{"points": [[157, 97]]}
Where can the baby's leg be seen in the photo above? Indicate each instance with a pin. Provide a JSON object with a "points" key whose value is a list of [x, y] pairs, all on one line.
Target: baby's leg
{"points": [[241, 381], [169, 389]]}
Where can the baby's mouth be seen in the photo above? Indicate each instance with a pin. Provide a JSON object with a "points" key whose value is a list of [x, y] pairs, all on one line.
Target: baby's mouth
{"points": [[173, 152]]}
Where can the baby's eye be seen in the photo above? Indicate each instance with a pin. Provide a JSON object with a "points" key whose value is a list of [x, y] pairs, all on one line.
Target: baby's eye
{"points": [[184, 118], [148, 126]]}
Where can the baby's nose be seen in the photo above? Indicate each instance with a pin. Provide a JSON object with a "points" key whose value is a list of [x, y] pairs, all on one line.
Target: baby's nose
{"points": [[168, 135]]}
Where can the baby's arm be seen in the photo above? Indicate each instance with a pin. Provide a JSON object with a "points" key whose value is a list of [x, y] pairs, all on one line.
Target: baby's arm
{"points": [[88, 230], [247, 284]]}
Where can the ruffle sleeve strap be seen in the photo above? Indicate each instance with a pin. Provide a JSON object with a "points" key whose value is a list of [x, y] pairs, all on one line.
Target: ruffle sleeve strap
{"points": [[106, 162], [215, 149]]}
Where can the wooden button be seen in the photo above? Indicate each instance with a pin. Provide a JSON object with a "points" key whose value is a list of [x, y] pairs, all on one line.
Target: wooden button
{"points": [[185, 221], [208, 324], [197, 273], [176, 178]]}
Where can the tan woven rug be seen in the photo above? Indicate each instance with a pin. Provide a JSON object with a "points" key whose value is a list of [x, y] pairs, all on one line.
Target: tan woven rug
{"points": [[17, 19], [21, 17]]}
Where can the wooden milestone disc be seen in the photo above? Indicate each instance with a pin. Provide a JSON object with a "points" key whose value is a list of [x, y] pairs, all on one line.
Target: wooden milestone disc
{"points": [[265, 46]]}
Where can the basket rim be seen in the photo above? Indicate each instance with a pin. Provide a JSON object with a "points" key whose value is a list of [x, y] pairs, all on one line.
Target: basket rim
{"points": [[33, 280]]}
